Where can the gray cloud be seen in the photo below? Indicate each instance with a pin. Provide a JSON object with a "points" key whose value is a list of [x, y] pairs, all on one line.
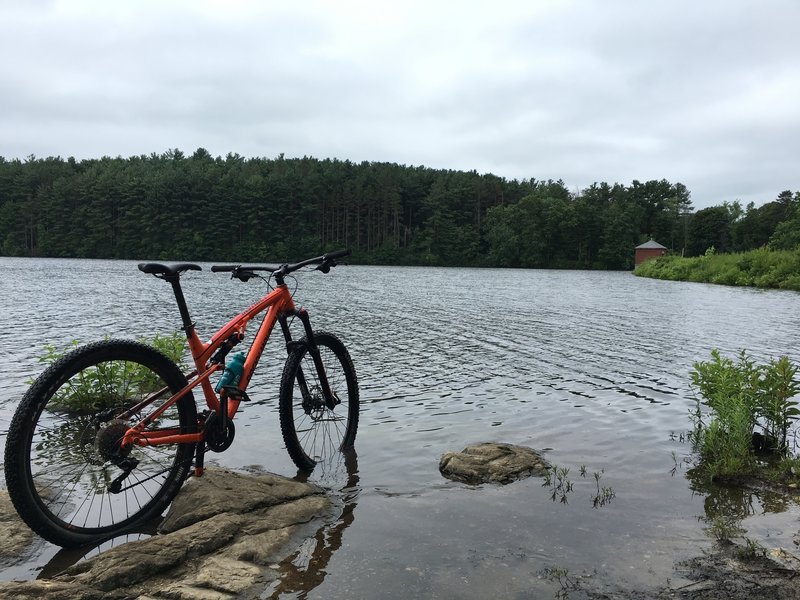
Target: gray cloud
{"points": [[703, 93]]}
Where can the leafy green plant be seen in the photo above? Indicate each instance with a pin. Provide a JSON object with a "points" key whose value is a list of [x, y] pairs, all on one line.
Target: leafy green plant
{"points": [[778, 386], [97, 387], [741, 398], [729, 390], [756, 268]]}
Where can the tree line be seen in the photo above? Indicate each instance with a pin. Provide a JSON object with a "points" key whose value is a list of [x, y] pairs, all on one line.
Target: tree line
{"points": [[171, 206]]}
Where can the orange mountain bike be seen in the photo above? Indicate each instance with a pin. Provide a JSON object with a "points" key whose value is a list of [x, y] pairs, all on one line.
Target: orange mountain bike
{"points": [[105, 437]]}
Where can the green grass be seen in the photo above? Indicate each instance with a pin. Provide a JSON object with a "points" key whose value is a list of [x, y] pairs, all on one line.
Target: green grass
{"points": [[762, 268]]}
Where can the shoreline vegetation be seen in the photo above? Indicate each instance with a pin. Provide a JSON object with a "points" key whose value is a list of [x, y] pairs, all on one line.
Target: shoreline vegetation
{"points": [[744, 422], [761, 268], [175, 206]]}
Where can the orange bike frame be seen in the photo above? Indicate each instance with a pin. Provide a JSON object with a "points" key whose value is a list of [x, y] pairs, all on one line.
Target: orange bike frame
{"points": [[276, 303]]}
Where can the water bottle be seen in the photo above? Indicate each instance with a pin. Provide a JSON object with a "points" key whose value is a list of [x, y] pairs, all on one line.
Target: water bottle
{"points": [[233, 372]]}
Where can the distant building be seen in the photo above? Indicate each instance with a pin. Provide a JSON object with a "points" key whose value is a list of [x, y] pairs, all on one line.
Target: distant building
{"points": [[648, 250]]}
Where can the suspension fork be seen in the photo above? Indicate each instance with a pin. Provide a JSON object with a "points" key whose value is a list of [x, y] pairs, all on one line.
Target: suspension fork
{"points": [[313, 349]]}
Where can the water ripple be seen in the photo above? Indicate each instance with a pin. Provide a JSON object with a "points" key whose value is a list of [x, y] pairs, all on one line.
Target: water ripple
{"points": [[594, 365]]}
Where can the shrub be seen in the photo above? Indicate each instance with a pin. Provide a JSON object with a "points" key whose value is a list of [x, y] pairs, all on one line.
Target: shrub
{"points": [[761, 268], [741, 398], [778, 386], [89, 389]]}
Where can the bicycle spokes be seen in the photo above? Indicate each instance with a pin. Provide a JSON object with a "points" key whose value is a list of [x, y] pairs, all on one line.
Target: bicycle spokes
{"points": [[82, 473], [315, 430]]}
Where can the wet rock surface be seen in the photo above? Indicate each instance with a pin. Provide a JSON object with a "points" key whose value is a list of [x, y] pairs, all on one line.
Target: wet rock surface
{"points": [[258, 521], [15, 537], [221, 535], [492, 462]]}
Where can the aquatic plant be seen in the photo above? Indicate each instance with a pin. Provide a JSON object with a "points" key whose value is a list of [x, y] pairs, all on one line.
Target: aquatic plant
{"points": [[741, 398], [558, 479], [566, 582], [603, 495]]}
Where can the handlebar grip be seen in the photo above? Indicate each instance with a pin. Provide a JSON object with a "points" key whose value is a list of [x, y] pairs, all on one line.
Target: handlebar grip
{"points": [[337, 254], [223, 268]]}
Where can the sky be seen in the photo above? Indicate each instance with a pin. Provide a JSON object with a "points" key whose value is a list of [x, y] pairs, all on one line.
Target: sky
{"points": [[701, 92]]}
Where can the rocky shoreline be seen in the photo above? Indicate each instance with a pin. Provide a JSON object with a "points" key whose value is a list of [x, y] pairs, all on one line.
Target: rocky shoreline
{"points": [[231, 535], [221, 539]]}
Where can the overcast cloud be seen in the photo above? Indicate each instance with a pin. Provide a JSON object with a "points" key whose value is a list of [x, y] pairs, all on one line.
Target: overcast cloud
{"points": [[706, 93]]}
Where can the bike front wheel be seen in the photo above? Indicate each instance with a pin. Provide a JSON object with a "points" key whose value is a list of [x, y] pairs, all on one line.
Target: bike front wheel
{"points": [[67, 473], [313, 432]]}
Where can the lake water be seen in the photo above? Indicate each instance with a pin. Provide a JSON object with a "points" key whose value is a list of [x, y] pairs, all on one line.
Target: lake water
{"points": [[591, 366]]}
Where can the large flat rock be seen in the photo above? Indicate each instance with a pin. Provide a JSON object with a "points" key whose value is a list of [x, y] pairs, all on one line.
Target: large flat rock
{"points": [[222, 533]]}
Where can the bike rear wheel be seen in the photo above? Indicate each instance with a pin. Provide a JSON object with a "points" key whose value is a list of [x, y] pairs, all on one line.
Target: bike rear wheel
{"points": [[313, 432], [67, 474]]}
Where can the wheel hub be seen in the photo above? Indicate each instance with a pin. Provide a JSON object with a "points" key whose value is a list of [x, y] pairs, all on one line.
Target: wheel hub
{"points": [[108, 442], [314, 405]]}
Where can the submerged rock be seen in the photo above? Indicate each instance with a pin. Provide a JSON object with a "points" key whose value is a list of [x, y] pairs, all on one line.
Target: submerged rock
{"points": [[492, 462], [222, 533]]}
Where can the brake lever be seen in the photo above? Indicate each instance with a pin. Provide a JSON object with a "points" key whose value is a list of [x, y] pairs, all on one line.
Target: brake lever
{"points": [[325, 267], [244, 276]]}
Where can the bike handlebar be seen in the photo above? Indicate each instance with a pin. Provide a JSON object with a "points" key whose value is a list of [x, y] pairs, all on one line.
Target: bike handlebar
{"points": [[229, 268], [325, 262], [317, 260]]}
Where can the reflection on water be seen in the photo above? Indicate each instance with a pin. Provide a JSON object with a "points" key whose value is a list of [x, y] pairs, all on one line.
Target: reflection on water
{"points": [[593, 365], [67, 557], [307, 568], [738, 501], [726, 506], [300, 572]]}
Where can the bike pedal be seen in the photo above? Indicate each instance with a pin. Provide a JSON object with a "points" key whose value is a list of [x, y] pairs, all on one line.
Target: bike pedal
{"points": [[234, 393]]}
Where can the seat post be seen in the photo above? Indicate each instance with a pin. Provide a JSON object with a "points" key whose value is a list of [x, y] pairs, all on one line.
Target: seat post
{"points": [[175, 281]]}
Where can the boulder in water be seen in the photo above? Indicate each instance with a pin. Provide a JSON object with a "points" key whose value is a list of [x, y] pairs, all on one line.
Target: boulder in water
{"points": [[492, 462]]}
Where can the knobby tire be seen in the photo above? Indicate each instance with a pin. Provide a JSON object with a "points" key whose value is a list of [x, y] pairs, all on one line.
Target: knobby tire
{"points": [[60, 457], [312, 432]]}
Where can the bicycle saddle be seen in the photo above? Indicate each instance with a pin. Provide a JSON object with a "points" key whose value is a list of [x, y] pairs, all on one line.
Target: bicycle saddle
{"points": [[168, 270]]}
